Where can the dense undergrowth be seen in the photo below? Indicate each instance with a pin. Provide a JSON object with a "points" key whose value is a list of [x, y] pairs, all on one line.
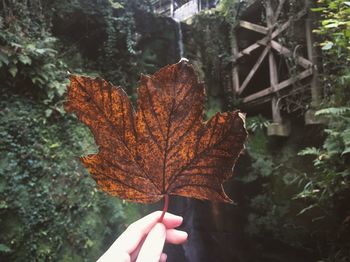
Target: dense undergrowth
{"points": [[50, 209]]}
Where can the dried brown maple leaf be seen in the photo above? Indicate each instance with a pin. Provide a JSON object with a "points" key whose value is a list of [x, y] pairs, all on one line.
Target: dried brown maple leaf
{"points": [[164, 147]]}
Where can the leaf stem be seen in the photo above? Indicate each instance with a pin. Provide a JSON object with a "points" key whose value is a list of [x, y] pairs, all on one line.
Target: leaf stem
{"points": [[165, 208]]}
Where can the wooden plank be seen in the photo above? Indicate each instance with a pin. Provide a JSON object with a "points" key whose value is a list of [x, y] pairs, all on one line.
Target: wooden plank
{"points": [[251, 48], [279, 87], [235, 74], [279, 30], [254, 69], [269, 15], [278, 10], [253, 27], [262, 41], [275, 33], [286, 52], [272, 62], [290, 81], [315, 85], [276, 114], [273, 70]]}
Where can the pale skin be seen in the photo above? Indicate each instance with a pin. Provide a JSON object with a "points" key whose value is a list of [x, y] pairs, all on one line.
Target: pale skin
{"points": [[143, 240]]}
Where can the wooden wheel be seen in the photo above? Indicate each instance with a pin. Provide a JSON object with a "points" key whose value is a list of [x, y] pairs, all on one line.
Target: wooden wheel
{"points": [[269, 43]]}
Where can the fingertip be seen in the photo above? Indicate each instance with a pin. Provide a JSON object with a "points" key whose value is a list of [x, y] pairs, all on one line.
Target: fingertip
{"points": [[174, 236], [163, 257], [171, 220]]}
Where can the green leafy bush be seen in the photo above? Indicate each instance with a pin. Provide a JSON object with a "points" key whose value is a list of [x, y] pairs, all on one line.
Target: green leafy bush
{"points": [[50, 207], [27, 53], [331, 175]]}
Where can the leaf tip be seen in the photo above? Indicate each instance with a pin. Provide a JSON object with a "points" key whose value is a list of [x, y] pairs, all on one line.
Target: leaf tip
{"points": [[243, 117], [184, 60]]}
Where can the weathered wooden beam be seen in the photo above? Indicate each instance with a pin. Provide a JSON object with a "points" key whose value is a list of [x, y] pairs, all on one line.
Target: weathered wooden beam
{"points": [[275, 33], [235, 73], [299, 15], [279, 129], [254, 27], [278, 10], [273, 70], [269, 15], [279, 87], [315, 85], [254, 69], [286, 52], [292, 80], [252, 47], [276, 114]]}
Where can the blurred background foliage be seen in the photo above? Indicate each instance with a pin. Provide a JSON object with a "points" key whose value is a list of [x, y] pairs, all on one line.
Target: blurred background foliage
{"points": [[293, 193], [50, 209]]}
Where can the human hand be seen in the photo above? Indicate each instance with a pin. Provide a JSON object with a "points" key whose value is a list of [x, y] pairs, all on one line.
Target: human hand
{"points": [[144, 239]]}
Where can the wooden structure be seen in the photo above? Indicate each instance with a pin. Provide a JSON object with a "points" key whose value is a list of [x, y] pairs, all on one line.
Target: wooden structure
{"points": [[181, 10], [264, 51]]}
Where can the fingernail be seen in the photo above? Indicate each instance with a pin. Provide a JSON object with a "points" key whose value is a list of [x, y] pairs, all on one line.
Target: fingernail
{"points": [[174, 216], [183, 234]]}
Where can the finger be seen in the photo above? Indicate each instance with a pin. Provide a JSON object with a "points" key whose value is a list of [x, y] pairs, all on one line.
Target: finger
{"points": [[152, 249], [133, 235], [163, 257], [136, 251], [170, 221], [117, 257], [174, 236]]}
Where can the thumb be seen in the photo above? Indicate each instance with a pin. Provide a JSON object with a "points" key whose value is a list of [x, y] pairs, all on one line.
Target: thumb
{"points": [[153, 246]]}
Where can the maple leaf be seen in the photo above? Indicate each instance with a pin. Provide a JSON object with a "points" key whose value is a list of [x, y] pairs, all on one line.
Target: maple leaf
{"points": [[164, 147]]}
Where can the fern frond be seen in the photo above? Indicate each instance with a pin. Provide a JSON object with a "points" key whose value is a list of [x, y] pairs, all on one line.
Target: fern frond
{"points": [[309, 151], [333, 111]]}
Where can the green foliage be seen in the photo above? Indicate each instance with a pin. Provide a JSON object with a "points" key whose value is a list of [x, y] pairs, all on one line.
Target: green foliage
{"points": [[332, 174], [334, 34], [330, 177], [326, 185], [335, 26], [230, 10], [27, 52], [257, 123], [271, 211], [333, 111], [210, 34], [50, 207]]}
